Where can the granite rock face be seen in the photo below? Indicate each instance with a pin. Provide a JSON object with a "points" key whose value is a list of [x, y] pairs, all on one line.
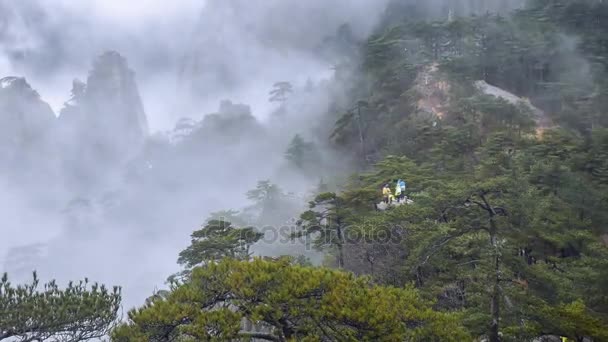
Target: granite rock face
{"points": [[26, 123], [103, 125], [107, 110]]}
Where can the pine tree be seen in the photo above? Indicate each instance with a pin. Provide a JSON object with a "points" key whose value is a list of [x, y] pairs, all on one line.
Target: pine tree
{"points": [[287, 302], [218, 239], [80, 312], [302, 154]]}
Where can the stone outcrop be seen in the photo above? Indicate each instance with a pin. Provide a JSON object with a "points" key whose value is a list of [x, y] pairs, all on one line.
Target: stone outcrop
{"points": [[103, 125], [433, 96], [26, 122], [107, 110]]}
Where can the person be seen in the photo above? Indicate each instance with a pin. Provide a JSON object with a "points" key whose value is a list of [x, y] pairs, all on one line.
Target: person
{"points": [[386, 193], [398, 192], [402, 185]]}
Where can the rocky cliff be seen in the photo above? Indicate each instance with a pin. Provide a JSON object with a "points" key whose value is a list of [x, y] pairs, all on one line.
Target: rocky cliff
{"points": [[104, 123], [25, 123]]}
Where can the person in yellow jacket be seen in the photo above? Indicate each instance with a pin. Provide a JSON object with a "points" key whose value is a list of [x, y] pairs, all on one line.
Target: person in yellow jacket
{"points": [[387, 194]]}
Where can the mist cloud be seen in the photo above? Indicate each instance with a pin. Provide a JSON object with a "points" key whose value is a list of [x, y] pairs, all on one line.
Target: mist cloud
{"points": [[130, 232], [52, 42]]}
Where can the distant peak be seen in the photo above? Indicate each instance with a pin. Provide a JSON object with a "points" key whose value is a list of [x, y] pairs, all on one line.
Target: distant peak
{"points": [[78, 92], [78, 84], [13, 82], [78, 88], [18, 85], [111, 54], [111, 70], [230, 108], [111, 60]]}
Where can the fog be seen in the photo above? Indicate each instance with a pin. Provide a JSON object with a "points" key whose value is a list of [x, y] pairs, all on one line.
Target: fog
{"points": [[51, 42], [96, 194]]}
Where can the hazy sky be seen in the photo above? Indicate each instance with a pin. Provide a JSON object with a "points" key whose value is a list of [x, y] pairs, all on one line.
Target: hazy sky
{"points": [[128, 11]]}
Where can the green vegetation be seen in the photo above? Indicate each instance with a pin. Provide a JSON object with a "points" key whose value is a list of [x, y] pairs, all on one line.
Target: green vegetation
{"points": [[76, 313], [504, 235], [509, 199], [218, 240], [280, 92], [303, 155], [326, 221], [287, 303]]}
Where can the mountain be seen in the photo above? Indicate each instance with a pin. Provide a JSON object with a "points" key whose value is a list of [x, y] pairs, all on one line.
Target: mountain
{"points": [[25, 122], [232, 121], [111, 107], [104, 123]]}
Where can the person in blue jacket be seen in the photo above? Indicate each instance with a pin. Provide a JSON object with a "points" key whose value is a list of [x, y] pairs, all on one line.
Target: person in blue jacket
{"points": [[402, 185]]}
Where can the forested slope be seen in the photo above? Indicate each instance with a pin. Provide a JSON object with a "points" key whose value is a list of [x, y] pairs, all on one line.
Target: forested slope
{"points": [[509, 185]]}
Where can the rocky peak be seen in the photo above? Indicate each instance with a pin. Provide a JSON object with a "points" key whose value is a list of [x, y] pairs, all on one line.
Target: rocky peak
{"points": [[236, 110], [183, 128], [112, 92], [26, 123], [78, 91], [71, 110], [107, 111], [18, 86], [230, 115], [11, 81], [21, 109], [433, 90], [103, 125], [230, 123]]}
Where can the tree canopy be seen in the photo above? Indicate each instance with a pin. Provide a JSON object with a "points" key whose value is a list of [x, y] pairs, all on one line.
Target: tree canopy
{"points": [[287, 302], [77, 313], [218, 239]]}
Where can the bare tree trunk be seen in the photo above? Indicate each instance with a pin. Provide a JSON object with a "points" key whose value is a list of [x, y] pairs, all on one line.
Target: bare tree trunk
{"points": [[496, 293], [494, 326], [340, 248], [340, 243], [370, 259], [361, 138]]}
